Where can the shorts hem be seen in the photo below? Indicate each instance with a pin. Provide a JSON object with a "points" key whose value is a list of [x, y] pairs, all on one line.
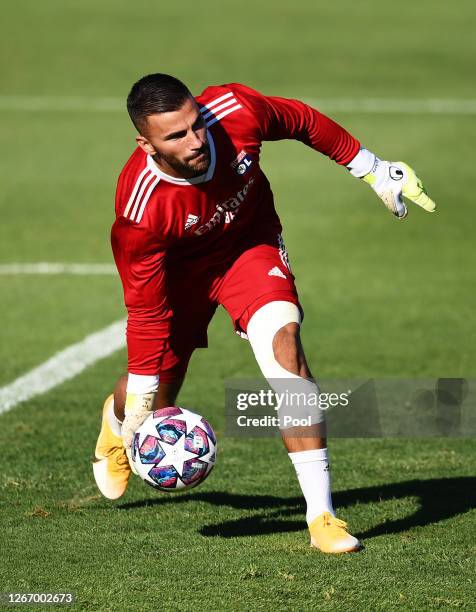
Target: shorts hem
{"points": [[285, 295]]}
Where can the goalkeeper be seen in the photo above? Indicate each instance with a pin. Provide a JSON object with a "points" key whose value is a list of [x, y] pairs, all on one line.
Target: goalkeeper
{"points": [[195, 228]]}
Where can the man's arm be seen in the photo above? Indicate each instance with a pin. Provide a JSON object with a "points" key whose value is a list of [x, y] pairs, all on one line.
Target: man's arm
{"points": [[140, 261], [282, 118]]}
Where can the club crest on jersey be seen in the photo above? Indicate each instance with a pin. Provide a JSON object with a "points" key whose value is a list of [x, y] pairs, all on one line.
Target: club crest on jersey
{"points": [[242, 163], [191, 220]]}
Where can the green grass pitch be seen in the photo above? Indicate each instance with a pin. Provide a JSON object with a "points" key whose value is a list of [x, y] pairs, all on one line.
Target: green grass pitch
{"points": [[382, 298]]}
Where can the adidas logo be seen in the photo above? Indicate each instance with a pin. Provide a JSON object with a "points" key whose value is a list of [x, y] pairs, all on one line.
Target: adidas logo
{"points": [[191, 220], [276, 272]]}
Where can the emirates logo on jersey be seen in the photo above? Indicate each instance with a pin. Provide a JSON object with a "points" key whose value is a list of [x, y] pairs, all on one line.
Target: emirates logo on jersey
{"points": [[225, 210], [242, 163]]}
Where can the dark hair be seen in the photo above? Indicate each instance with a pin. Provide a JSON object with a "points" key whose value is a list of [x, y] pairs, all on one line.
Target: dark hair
{"points": [[155, 93]]}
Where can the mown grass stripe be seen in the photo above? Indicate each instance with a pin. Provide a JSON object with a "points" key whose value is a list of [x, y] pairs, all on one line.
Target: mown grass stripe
{"points": [[13, 269]]}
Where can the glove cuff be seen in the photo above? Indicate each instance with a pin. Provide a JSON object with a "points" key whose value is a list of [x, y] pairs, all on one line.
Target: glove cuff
{"points": [[363, 163], [139, 384]]}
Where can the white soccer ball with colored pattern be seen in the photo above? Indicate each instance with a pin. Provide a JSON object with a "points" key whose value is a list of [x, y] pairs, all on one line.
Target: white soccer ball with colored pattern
{"points": [[174, 449]]}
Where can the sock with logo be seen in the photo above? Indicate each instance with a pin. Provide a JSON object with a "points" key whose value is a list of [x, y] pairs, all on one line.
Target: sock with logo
{"points": [[312, 470], [114, 423]]}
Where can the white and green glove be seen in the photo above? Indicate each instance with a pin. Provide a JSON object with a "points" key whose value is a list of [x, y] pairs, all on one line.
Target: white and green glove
{"points": [[391, 181]]}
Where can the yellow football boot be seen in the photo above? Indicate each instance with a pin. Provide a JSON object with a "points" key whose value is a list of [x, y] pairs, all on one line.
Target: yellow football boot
{"points": [[111, 468], [329, 535]]}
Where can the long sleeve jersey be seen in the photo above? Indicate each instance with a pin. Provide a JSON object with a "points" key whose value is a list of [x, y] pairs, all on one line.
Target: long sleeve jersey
{"points": [[164, 222]]}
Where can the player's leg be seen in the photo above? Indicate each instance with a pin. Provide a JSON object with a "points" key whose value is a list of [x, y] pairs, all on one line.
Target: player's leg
{"points": [[289, 353], [273, 332], [261, 298]]}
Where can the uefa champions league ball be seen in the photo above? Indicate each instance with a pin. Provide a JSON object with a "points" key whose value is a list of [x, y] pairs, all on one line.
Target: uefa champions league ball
{"points": [[174, 449]]}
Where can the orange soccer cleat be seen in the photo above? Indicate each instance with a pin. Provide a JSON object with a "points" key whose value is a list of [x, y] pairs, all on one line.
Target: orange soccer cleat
{"points": [[329, 535], [111, 468]]}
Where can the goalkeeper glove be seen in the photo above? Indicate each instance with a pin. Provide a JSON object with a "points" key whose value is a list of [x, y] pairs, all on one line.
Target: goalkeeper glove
{"points": [[392, 181], [138, 408], [141, 391]]}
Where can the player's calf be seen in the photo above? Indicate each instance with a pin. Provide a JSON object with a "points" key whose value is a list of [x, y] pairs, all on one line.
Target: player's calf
{"points": [[273, 332], [289, 352]]}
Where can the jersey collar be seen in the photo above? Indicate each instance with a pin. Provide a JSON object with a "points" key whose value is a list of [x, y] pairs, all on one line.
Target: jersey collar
{"points": [[182, 181]]}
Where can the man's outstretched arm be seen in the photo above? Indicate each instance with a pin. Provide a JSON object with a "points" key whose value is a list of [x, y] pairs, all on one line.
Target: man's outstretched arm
{"points": [[140, 262], [283, 118]]}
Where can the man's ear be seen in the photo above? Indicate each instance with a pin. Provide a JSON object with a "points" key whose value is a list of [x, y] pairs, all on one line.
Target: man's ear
{"points": [[145, 145]]}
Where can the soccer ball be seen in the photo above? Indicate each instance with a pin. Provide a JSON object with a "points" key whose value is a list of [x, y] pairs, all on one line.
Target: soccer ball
{"points": [[174, 449]]}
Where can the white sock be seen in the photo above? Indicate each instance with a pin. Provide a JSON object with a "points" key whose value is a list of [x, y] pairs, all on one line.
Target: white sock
{"points": [[114, 423], [312, 469]]}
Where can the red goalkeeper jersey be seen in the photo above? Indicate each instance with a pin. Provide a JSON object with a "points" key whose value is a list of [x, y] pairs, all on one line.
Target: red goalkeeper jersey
{"points": [[165, 225]]}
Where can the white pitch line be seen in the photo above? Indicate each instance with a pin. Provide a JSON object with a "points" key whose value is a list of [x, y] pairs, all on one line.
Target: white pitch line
{"points": [[64, 365], [62, 104], [410, 106], [405, 106], [57, 268]]}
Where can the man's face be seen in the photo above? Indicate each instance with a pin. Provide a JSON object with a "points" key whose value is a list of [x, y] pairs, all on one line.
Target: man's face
{"points": [[178, 141]]}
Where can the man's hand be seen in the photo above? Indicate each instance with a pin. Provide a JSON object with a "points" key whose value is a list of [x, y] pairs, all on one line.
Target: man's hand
{"points": [[138, 408], [391, 181]]}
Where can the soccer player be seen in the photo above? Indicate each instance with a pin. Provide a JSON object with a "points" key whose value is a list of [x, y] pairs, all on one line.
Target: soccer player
{"points": [[196, 227]]}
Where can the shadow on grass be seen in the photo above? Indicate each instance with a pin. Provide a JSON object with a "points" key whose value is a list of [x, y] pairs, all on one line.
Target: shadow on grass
{"points": [[439, 498]]}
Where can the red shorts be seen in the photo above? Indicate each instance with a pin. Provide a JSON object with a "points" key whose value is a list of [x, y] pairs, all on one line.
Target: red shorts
{"points": [[261, 274]]}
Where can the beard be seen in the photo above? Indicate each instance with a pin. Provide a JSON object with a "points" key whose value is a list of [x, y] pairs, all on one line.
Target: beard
{"points": [[190, 167]]}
